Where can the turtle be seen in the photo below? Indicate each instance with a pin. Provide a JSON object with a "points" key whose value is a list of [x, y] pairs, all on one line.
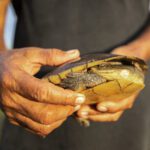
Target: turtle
{"points": [[101, 77]]}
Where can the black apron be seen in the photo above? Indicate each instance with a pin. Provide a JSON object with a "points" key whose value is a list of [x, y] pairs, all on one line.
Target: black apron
{"points": [[89, 25]]}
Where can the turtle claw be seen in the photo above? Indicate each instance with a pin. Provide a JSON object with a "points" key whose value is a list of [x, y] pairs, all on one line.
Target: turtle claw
{"points": [[83, 122]]}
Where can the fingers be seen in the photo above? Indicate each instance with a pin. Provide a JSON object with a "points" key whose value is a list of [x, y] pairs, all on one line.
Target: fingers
{"points": [[33, 126], [123, 50], [127, 50], [132, 50], [86, 110], [89, 113], [49, 113], [112, 107], [12, 121], [39, 112], [52, 57], [46, 92], [105, 117]]}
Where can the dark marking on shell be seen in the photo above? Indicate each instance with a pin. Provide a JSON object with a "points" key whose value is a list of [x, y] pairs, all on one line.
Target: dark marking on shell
{"points": [[83, 80]]}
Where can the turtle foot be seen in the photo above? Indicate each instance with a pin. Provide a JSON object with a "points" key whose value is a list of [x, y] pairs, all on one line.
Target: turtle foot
{"points": [[83, 122]]}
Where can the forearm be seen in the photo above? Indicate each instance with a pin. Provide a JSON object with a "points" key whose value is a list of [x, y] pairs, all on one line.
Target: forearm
{"points": [[3, 10]]}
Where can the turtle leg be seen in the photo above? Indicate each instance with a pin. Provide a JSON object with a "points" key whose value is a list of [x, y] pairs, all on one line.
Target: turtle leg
{"points": [[83, 122]]}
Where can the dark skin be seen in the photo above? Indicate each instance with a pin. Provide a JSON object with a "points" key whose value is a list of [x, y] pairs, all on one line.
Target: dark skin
{"points": [[41, 107]]}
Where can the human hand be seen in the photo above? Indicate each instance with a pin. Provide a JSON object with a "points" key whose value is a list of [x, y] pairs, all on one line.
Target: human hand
{"points": [[29, 102], [109, 110], [137, 49]]}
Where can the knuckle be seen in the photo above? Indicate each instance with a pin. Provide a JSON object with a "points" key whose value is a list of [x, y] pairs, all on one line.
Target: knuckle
{"points": [[30, 50], [65, 99], [41, 93], [48, 117], [54, 53], [69, 98]]}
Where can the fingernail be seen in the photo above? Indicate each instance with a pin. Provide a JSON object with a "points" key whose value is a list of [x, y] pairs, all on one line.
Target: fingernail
{"points": [[73, 51], [77, 107], [84, 113], [102, 108], [80, 99]]}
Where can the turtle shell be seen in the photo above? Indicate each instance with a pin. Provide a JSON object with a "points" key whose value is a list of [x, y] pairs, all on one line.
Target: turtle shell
{"points": [[90, 60], [107, 90]]}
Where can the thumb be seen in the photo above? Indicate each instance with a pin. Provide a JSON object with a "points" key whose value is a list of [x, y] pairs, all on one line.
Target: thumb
{"points": [[57, 57], [54, 57]]}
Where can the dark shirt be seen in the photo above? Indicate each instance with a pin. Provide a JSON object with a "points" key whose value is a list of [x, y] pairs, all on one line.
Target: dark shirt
{"points": [[89, 25], [84, 24]]}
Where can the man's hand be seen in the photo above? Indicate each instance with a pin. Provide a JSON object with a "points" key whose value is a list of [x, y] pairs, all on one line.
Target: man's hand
{"points": [[36, 105], [112, 111], [106, 111], [137, 50]]}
